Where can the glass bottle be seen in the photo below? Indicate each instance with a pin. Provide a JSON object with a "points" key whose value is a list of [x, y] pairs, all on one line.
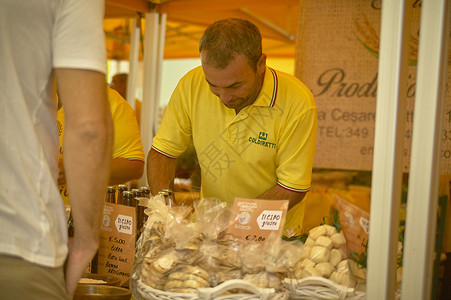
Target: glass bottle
{"points": [[128, 198], [140, 207], [70, 225], [168, 197], [136, 193], [145, 191], [111, 195], [121, 188], [95, 264]]}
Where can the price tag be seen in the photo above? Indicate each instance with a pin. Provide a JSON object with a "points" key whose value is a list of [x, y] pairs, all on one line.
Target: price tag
{"points": [[269, 220], [256, 219]]}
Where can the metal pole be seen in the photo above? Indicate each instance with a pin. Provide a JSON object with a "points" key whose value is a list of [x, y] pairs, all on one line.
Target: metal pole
{"points": [[422, 196], [387, 159], [133, 62], [153, 56]]}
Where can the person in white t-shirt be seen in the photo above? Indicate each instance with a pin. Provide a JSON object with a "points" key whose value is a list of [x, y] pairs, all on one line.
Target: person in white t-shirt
{"points": [[43, 42]]}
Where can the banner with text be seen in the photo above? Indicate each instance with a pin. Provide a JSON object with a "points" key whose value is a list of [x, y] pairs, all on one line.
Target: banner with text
{"points": [[337, 51]]}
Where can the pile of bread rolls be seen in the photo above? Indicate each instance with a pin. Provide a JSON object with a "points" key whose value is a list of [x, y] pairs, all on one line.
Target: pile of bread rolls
{"points": [[325, 255]]}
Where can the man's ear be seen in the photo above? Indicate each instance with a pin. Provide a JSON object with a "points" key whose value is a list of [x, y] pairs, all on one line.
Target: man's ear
{"points": [[261, 64]]}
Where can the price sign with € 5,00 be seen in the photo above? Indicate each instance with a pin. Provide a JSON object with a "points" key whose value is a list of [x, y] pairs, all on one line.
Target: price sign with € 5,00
{"points": [[117, 241]]}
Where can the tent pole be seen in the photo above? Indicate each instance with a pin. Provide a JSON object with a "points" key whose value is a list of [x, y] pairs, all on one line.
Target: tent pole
{"points": [[150, 102], [133, 62], [387, 160], [160, 54], [422, 197], [153, 61]]}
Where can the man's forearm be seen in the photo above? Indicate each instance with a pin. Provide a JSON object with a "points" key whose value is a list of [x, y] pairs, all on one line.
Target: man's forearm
{"points": [[88, 140], [160, 171], [279, 193], [87, 146], [123, 170]]}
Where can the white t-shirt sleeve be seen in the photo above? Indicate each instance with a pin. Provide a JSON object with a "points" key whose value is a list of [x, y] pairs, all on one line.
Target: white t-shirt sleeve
{"points": [[81, 46]]}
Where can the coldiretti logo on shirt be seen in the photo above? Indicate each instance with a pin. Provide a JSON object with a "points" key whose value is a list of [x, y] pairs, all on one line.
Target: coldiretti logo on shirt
{"points": [[261, 140]]}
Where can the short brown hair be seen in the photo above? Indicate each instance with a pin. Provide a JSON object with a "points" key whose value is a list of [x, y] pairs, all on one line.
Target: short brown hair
{"points": [[225, 38], [122, 77]]}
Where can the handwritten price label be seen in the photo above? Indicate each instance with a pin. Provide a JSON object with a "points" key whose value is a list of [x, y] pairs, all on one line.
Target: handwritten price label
{"points": [[124, 224], [269, 220]]}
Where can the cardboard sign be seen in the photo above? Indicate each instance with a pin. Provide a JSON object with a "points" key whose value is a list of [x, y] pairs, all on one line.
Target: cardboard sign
{"points": [[117, 241], [337, 56], [355, 223], [256, 218]]}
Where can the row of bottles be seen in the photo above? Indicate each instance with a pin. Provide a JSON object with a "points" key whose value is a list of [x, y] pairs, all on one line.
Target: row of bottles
{"points": [[127, 198], [130, 198], [124, 196]]}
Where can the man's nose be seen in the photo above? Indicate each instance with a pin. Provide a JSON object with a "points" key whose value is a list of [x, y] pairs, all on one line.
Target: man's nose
{"points": [[225, 96]]}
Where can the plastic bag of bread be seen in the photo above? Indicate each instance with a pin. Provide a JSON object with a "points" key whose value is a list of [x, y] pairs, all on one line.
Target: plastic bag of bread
{"points": [[325, 255], [213, 216]]}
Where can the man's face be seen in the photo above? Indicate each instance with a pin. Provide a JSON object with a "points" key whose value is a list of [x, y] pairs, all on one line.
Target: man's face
{"points": [[238, 85]]}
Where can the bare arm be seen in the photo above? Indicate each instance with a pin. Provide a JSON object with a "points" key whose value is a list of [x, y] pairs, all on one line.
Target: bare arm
{"points": [[278, 192], [160, 171], [88, 140], [123, 170]]}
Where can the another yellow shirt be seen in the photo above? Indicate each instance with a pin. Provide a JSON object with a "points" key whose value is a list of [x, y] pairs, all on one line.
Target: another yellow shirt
{"points": [[269, 142], [127, 138]]}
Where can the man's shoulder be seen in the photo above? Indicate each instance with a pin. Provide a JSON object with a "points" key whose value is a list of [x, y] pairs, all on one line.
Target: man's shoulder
{"points": [[114, 98], [287, 78], [196, 73], [193, 80], [291, 85], [118, 105]]}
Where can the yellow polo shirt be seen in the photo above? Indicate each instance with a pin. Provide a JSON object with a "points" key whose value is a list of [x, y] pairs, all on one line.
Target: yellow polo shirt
{"points": [[127, 138], [269, 142]]}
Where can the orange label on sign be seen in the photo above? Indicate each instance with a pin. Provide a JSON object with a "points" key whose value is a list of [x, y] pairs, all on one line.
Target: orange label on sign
{"points": [[256, 219], [117, 241]]}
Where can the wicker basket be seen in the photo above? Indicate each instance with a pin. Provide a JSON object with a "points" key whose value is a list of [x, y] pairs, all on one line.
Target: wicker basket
{"points": [[315, 287], [145, 292]]}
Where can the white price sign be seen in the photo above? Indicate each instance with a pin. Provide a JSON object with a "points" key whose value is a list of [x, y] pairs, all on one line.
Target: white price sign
{"points": [[124, 224], [269, 219]]}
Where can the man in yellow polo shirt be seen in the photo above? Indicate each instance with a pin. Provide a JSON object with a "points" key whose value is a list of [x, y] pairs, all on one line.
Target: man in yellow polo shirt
{"points": [[253, 128], [128, 153], [119, 83]]}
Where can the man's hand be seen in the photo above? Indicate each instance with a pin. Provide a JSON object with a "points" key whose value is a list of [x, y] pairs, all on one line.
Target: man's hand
{"points": [[80, 254]]}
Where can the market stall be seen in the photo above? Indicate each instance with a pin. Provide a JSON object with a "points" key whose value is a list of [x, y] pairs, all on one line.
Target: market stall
{"points": [[384, 158]]}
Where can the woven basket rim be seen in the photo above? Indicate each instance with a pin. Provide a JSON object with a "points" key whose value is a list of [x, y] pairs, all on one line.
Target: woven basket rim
{"points": [[146, 290]]}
